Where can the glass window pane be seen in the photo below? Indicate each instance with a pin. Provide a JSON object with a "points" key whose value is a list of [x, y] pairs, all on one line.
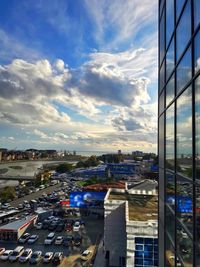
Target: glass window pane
{"points": [[170, 190], [161, 141], [184, 246], [197, 51], [183, 30], [169, 19], [184, 71], [184, 202], [162, 102], [184, 133], [169, 253], [162, 37], [196, 12], [170, 60], [162, 76], [170, 224], [170, 91], [170, 138], [179, 6], [197, 106]]}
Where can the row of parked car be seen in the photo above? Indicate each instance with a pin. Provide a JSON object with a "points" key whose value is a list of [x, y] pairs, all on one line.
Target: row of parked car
{"points": [[51, 238], [25, 255]]}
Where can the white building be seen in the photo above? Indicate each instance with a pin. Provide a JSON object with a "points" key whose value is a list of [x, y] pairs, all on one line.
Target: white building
{"points": [[130, 227]]}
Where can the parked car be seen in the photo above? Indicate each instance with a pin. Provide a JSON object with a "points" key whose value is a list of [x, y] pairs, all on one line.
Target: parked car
{"points": [[68, 227], [17, 252], [58, 257], [86, 255], [24, 238], [5, 205], [25, 255], [32, 239], [47, 257], [49, 239], [53, 225], [35, 257], [59, 240], [60, 227], [76, 226], [68, 241], [38, 226], [77, 240], [6, 255]]}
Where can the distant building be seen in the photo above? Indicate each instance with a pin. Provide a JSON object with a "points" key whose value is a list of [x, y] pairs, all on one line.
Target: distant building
{"points": [[1, 153], [119, 152], [131, 227]]}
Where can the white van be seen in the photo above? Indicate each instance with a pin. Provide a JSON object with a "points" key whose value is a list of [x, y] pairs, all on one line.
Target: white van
{"points": [[17, 252]]}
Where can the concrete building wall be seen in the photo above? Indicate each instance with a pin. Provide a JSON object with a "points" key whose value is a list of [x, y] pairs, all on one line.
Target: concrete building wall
{"points": [[115, 232]]}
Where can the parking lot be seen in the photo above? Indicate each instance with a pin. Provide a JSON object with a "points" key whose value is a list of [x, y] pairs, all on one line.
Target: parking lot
{"points": [[90, 234]]}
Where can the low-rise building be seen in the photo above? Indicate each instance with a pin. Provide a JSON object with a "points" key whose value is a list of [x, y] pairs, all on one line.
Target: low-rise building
{"points": [[130, 227], [14, 230]]}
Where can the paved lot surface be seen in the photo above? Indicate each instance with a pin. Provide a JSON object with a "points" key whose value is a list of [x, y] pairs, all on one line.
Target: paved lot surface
{"points": [[90, 234], [35, 195]]}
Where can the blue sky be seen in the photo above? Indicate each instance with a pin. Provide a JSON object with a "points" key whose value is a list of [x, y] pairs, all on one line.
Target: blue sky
{"points": [[78, 75]]}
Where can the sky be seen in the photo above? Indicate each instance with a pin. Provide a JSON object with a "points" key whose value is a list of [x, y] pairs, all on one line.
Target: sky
{"points": [[78, 75]]}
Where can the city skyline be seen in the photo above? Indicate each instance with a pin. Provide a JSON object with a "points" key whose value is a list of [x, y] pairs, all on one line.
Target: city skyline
{"points": [[80, 76]]}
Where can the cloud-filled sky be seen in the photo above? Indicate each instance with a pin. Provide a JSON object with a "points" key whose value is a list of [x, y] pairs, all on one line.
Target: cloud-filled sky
{"points": [[78, 75]]}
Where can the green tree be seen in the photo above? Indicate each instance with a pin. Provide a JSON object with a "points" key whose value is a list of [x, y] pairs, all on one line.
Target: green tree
{"points": [[7, 193], [64, 167]]}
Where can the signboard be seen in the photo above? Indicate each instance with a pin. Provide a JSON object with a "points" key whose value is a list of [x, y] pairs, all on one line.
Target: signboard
{"points": [[86, 199]]}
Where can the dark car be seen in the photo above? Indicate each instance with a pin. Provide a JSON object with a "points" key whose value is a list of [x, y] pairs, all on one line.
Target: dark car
{"points": [[77, 240], [35, 257], [60, 227], [58, 257], [52, 226], [45, 224], [68, 241]]}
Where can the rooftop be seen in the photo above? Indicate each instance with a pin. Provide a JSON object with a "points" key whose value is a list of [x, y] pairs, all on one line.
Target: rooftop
{"points": [[141, 207], [17, 224]]}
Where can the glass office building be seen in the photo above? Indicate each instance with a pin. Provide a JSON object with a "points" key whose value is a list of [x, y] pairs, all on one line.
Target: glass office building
{"points": [[179, 133]]}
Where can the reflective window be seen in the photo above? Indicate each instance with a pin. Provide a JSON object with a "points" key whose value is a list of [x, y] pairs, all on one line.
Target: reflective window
{"points": [[184, 202], [161, 141], [162, 102], [197, 106], [184, 133], [184, 71], [162, 37], [169, 19], [170, 91], [179, 6], [162, 76], [183, 30], [170, 224], [170, 190], [196, 12], [170, 138], [197, 51], [170, 60], [184, 246], [169, 253]]}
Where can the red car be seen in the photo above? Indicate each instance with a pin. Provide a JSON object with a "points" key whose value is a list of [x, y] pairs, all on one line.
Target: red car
{"points": [[68, 227]]}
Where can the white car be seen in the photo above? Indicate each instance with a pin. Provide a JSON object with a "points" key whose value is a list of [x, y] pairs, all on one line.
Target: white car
{"points": [[5, 205], [59, 240], [6, 255], [76, 226], [25, 255], [48, 257], [49, 239], [38, 226]]}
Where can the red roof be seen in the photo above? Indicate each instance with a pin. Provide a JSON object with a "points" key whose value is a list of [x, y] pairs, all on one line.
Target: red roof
{"points": [[105, 187]]}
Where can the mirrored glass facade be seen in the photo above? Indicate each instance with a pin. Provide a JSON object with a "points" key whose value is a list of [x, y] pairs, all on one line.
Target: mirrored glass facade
{"points": [[179, 133]]}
